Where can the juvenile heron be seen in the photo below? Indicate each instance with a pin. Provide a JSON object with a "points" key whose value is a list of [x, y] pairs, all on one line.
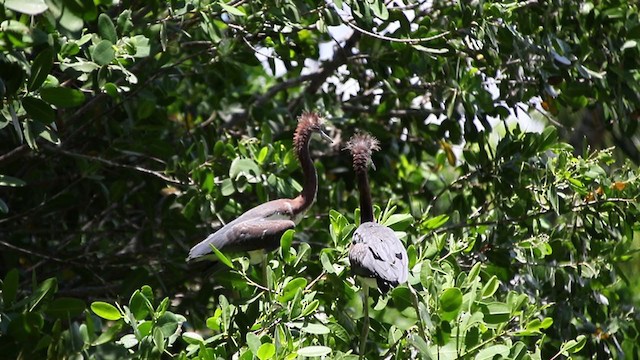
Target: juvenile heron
{"points": [[375, 252], [262, 226]]}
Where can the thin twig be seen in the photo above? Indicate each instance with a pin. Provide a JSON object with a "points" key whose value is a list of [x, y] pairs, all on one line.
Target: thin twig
{"points": [[114, 164], [31, 252], [43, 203], [256, 285], [398, 40], [314, 281]]}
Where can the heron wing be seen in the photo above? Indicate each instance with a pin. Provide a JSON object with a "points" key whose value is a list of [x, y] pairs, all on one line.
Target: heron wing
{"points": [[377, 252], [258, 228], [258, 234]]}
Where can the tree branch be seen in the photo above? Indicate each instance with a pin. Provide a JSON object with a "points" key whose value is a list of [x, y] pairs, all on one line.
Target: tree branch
{"points": [[401, 113], [316, 80], [155, 173]]}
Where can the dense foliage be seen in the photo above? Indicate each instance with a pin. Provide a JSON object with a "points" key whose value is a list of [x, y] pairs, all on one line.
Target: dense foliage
{"points": [[130, 130]]}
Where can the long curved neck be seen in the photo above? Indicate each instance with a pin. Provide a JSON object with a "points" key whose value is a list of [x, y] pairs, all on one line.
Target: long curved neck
{"points": [[310, 184], [366, 208]]}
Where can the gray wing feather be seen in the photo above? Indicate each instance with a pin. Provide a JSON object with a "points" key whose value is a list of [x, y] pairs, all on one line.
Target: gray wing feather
{"points": [[251, 230], [377, 252]]}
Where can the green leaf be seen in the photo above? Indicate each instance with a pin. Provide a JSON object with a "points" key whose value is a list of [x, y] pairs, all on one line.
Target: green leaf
{"points": [[10, 286], [103, 53], [399, 222], [147, 291], [420, 344], [213, 322], [490, 287], [340, 332], [29, 134], [168, 323], [158, 340], [231, 10], [326, 263], [46, 288], [41, 67], [162, 307], [245, 167], [573, 346], [65, 308], [536, 325], [402, 296], [221, 257], [253, 341], [105, 310], [41, 130], [109, 335], [192, 338], [3, 207], [291, 288], [227, 188], [549, 138], [310, 308], [451, 300], [285, 243], [106, 29], [311, 351], [15, 122], [139, 46], [379, 9], [26, 326], [129, 341], [491, 351], [38, 110], [11, 181], [315, 328], [266, 351], [496, 313], [144, 328], [262, 155], [29, 7], [473, 274], [138, 305], [62, 97], [436, 222], [71, 21], [425, 273], [111, 89]]}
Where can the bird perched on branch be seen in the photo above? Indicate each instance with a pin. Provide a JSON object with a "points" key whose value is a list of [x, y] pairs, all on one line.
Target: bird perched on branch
{"points": [[376, 252], [261, 227]]}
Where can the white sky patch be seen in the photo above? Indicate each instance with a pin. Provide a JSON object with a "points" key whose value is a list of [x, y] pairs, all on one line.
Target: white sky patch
{"points": [[310, 66], [263, 55], [348, 89]]}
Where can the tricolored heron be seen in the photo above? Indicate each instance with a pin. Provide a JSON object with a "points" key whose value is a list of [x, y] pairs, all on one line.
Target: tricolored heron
{"points": [[262, 226], [375, 252]]}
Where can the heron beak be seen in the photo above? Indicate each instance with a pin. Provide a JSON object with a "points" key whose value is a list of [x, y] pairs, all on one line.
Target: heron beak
{"points": [[326, 137]]}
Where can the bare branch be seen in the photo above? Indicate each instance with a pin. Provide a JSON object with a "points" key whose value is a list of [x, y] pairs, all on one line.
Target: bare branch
{"points": [[155, 173]]}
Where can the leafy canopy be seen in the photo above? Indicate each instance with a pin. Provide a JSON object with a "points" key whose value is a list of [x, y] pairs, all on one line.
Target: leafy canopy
{"points": [[131, 130]]}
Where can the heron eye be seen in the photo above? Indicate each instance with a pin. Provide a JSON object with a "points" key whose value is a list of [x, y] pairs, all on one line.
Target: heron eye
{"points": [[399, 256]]}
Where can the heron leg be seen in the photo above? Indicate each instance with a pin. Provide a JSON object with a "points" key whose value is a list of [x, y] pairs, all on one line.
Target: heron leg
{"points": [[365, 321], [414, 296]]}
